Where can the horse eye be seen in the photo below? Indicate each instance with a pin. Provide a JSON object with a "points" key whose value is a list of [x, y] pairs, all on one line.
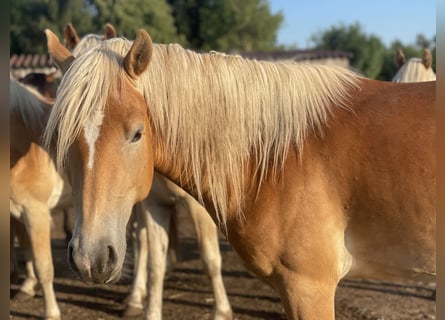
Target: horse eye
{"points": [[137, 137]]}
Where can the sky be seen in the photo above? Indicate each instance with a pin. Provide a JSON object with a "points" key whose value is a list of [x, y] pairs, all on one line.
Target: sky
{"points": [[387, 19]]}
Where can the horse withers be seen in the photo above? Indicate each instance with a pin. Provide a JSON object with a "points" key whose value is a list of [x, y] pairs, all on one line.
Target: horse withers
{"points": [[312, 172]]}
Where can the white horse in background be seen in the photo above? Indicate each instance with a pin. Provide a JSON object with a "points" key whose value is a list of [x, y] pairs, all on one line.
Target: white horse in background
{"points": [[415, 69]]}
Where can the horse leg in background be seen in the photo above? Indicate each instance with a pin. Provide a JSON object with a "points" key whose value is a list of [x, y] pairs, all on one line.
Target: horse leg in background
{"points": [[38, 225], [157, 219], [207, 235], [14, 269], [172, 254], [134, 302], [30, 284]]}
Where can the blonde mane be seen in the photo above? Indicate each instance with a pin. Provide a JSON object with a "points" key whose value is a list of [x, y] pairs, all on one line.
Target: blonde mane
{"points": [[29, 103], [414, 70], [87, 43], [214, 112]]}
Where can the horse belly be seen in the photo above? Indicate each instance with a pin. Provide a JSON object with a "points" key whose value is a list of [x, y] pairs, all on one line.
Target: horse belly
{"points": [[391, 253], [383, 166], [391, 227]]}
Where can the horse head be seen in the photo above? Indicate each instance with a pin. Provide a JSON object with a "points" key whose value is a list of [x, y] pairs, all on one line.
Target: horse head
{"points": [[119, 134]]}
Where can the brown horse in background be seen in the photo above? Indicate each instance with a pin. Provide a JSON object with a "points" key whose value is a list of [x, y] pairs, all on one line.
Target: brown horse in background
{"points": [[45, 84]]}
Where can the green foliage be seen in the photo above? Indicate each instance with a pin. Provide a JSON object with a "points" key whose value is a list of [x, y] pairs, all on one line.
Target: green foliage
{"points": [[200, 24], [244, 25], [129, 16], [227, 24], [29, 19], [368, 51]]}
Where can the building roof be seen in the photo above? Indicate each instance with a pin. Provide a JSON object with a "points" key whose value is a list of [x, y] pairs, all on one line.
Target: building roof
{"points": [[30, 61]]}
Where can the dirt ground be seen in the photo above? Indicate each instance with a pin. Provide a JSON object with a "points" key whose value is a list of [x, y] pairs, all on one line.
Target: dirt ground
{"points": [[188, 294]]}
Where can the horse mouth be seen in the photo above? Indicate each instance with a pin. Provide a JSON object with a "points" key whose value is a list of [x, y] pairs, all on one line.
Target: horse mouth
{"points": [[114, 277]]}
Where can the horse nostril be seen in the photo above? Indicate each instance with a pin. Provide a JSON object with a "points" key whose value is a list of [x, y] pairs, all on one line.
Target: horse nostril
{"points": [[71, 259], [112, 258]]}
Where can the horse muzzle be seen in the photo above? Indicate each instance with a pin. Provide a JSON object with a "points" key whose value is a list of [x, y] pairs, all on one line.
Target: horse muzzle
{"points": [[97, 264]]}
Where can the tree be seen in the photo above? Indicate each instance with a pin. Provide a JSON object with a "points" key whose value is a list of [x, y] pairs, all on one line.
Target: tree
{"points": [[368, 51], [227, 24], [29, 19], [200, 24], [129, 16], [188, 20]]}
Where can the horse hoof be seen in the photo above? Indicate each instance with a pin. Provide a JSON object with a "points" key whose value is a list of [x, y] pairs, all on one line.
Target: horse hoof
{"points": [[132, 312], [22, 296]]}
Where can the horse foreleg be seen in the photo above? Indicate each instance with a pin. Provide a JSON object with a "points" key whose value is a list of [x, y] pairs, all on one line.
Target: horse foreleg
{"points": [[306, 277], [157, 219], [207, 235], [38, 225], [134, 305], [306, 297]]}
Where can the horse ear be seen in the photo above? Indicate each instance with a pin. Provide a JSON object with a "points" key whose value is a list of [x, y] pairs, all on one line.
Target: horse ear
{"points": [[110, 31], [61, 56], [137, 59], [400, 58], [71, 37], [427, 58]]}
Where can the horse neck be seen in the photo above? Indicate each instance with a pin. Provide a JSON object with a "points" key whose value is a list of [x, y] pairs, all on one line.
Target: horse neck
{"points": [[212, 115], [169, 167], [175, 169]]}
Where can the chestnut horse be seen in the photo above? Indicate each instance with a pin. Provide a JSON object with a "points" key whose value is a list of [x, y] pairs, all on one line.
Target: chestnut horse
{"points": [[312, 172], [415, 69], [153, 216]]}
